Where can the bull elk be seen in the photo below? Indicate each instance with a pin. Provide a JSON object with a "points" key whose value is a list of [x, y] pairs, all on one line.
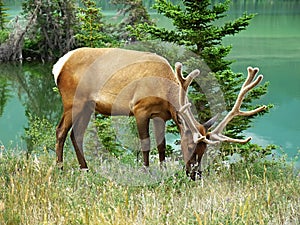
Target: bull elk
{"points": [[115, 81]]}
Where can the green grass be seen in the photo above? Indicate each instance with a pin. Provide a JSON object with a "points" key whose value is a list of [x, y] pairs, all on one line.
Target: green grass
{"points": [[33, 191]]}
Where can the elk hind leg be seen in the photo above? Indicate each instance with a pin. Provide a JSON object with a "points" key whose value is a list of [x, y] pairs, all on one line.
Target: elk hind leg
{"points": [[77, 133], [159, 130], [62, 130]]}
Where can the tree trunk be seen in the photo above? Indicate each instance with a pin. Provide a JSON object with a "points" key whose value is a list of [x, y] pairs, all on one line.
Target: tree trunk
{"points": [[11, 50]]}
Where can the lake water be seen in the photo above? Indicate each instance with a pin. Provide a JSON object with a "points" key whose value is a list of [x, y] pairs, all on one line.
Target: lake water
{"points": [[272, 43]]}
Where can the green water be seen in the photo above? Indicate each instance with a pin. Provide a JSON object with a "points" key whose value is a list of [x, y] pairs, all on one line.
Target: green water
{"points": [[272, 43], [25, 90]]}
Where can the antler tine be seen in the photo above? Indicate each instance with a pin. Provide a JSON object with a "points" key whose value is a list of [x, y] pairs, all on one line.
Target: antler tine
{"points": [[185, 110], [185, 82], [216, 138], [249, 84], [251, 74], [178, 70], [190, 78]]}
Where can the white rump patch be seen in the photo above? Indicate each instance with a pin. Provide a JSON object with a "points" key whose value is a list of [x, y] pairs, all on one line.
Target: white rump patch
{"points": [[59, 65]]}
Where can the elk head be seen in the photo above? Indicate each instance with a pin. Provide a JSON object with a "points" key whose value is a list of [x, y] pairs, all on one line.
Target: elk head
{"points": [[195, 136]]}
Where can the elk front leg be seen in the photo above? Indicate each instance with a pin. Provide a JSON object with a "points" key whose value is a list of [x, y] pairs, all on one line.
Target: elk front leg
{"points": [[143, 130], [159, 130]]}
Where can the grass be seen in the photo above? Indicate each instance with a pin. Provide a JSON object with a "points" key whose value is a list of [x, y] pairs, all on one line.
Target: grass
{"points": [[34, 191]]}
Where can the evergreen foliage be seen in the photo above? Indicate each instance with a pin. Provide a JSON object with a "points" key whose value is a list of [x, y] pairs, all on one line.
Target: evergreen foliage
{"points": [[134, 14], [4, 32], [196, 25], [3, 15], [92, 31]]}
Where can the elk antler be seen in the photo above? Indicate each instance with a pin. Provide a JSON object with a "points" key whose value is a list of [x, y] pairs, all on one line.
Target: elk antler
{"points": [[185, 82], [185, 107], [216, 135]]}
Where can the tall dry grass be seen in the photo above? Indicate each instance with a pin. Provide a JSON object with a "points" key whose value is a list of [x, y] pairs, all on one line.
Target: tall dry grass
{"points": [[34, 191]]}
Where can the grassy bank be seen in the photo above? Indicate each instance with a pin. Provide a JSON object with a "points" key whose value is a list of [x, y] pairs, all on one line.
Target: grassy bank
{"points": [[33, 191]]}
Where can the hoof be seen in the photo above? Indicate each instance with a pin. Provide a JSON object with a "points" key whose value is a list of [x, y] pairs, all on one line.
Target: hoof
{"points": [[145, 169], [60, 165]]}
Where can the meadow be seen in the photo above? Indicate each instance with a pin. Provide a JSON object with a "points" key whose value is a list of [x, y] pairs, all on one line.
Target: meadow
{"points": [[34, 191]]}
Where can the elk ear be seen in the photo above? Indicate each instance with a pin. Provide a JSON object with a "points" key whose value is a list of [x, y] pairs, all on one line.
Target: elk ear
{"points": [[208, 124]]}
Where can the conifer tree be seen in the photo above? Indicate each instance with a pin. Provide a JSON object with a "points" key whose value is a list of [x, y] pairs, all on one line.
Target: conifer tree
{"points": [[3, 15], [196, 26], [134, 13], [4, 32], [92, 31]]}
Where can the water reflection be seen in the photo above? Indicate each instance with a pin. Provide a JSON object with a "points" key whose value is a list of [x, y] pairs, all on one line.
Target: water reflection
{"points": [[5, 93], [26, 90]]}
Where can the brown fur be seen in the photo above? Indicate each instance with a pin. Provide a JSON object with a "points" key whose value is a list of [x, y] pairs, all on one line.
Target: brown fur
{"points": [[120, 82]]}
